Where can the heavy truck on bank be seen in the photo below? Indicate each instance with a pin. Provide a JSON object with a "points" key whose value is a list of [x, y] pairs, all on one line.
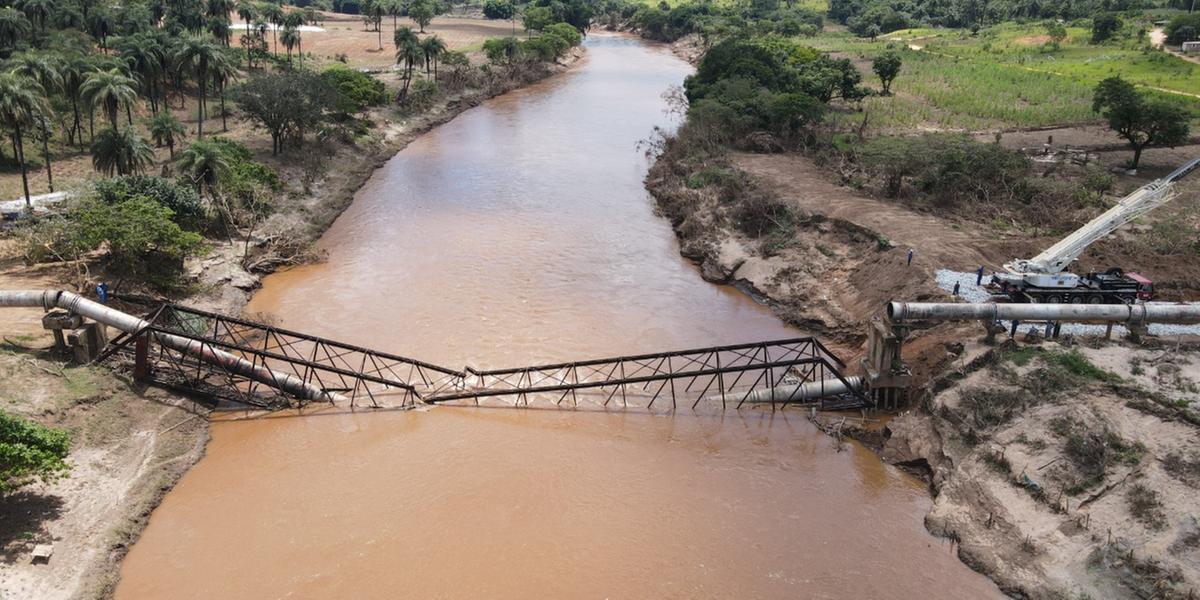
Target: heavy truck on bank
{"points": [[1044, 278]]}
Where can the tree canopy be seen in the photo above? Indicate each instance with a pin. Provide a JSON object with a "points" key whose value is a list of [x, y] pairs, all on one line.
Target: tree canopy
{"points": [[1143, 122]]}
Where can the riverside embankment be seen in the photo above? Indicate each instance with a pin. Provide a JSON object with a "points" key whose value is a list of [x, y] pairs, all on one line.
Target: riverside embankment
{"points": [[520, 232]]}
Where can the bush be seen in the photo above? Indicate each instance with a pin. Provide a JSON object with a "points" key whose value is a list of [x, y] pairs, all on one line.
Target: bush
{"points": [[187, 210], [546, 48], [1183, 28], [421, 95], [569, 34], [358, 90], [498, 9], [29, 452], [501, 50], [143, 241]]}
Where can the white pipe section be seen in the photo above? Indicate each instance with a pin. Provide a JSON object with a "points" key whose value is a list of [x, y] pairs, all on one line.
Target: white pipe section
{"points": [[797, 393], [1135, 314], [77, 304]]}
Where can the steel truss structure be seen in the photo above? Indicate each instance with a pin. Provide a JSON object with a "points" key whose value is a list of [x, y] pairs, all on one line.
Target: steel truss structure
{"points": [[724, 376]]}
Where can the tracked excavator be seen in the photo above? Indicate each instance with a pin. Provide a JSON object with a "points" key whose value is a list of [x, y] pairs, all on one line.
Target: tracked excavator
{"points": [[1044, 278]]}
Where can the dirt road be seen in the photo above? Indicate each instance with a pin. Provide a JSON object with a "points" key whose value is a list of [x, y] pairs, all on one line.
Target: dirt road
{"points": [[796, 179]]}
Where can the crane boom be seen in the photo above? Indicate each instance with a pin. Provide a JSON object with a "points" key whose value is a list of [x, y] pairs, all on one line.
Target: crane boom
{"points": [[1056, 258]]}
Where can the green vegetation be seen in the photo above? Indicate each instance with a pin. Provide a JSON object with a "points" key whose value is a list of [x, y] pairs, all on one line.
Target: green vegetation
{"points": [[288, 104], [1142, 122], [30, 452], [359, 91]]}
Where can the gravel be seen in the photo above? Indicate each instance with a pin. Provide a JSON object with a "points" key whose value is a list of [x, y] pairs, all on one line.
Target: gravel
{"points": [[968, 291]]}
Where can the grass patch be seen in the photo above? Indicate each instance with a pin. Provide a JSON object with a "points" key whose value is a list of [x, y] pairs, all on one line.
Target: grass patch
{"points": [[1183, 468], [1093, 448], [991, 407], [1145, 506]]}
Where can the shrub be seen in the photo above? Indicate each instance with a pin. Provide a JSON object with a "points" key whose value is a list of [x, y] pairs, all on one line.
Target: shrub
{"points": [[422, 94], [501, 50], [142, 240], [546, 48], [29, 452], [358, 90], [187, 210], [498, 9], [1183, 28], [569, 34]]}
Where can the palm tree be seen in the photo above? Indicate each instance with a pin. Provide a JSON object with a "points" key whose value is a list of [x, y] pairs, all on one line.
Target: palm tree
{"points": [[195, 55], [218, 19], [290, 39], [75, 69], [108, 90], [121, 152], [395, 9], [408, 51], [13, 26], [165, 130], [146, 55], [247, 12], [273, 13], [45, 69], [219, 28], [22, 100], [224, 69], [38, 11], [432, 47], [375, 10], [204, 163]]}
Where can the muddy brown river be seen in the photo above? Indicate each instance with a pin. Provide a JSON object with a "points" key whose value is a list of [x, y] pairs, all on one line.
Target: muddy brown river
{"points": [[520, 232]]}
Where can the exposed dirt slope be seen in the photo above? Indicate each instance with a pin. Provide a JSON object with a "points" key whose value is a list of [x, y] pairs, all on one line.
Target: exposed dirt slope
{"points": [[1061, 482]]}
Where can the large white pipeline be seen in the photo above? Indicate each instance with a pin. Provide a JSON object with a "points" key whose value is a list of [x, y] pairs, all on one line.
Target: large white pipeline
{"points": [[783, 393], [77, 304], [1133, 314]]}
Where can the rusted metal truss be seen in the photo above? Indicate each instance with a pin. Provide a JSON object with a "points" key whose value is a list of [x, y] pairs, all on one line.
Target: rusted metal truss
{"points": [[718, 376]]}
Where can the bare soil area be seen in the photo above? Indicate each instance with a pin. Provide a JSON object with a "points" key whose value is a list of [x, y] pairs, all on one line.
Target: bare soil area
{"points": [[347, 36], [1082, 490], [128, 447]]}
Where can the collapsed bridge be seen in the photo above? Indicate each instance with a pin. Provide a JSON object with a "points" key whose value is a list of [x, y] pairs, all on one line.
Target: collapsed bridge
{"points": [[244, 363]]}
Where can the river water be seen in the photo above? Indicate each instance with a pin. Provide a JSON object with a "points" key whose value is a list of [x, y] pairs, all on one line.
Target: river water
{"points": [[520, 232]]}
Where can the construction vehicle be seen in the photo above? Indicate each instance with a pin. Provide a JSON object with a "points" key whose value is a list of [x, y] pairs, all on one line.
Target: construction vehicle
{"points": [[1044, 278]]}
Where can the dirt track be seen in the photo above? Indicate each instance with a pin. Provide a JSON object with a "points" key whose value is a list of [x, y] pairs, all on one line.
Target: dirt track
{"points": [[796, 179]]}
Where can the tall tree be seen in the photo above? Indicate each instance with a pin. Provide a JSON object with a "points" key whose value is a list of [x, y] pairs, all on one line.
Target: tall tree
{"points": [[76, 68], [165, 130], [432, 48], [224, 69], [109, 90], [422, 12], [1142, 122], [887, 67], [375, 11], [247, 12], [46, 70], [22, 100], [395, 9], [290, 39], [38, 12], [13, 26], [121, 152], [146, 56], [195, 56], [273, 13], [408, 51]]}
